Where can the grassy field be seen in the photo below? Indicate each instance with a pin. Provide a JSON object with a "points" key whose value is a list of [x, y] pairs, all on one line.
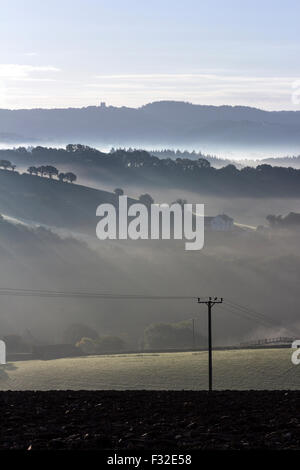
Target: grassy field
{"points": [[239, 369]]}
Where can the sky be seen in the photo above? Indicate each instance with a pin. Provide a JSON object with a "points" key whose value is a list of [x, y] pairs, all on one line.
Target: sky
{"points": [[75, 53]]}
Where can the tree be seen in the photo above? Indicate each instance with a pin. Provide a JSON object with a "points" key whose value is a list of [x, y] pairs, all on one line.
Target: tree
{"points": [[75, 332], [5, 164], [21, 150], [230, 169], [32, 169], [71, 148], [61, 177], [292, 220], [146, 199], [110, 343], [51, 171], [171, 335], [101, 345], [203, 163], [42, 170], [71, 177], [180, 201], [119, 192]]}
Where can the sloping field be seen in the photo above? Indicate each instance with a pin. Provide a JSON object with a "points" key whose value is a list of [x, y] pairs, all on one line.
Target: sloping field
{"points": [[240, 369]]}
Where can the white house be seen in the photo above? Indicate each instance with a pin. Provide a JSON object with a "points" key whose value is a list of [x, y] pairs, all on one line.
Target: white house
{"points": [[2, 352]]}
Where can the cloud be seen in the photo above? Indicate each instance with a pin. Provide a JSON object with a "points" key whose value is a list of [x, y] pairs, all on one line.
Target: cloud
{"points": [[42, 86], [192, 77], [30, 54], [203, 88], [23, 72]]}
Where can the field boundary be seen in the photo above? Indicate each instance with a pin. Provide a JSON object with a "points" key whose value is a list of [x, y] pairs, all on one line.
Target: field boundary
{"points": [[15, 357]]}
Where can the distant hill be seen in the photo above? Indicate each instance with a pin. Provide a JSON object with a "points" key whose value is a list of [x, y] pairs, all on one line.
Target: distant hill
{"points": [[158, 123]]}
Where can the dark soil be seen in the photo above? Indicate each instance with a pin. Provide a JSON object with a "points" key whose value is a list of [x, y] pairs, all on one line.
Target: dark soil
{"points": [[148, 420]]}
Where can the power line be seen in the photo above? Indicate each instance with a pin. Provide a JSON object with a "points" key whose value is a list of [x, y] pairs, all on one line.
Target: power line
{"points": [[85, 294], [247, 315], [244, 315], [260, 316], [250, 310], [233, 307]]}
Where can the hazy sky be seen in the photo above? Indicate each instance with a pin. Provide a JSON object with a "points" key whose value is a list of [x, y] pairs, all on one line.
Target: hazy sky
{"points": [[57, 53]]}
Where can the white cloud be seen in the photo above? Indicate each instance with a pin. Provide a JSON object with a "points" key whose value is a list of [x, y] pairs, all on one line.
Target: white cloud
{"points": [[26, 86], [20, 72], [30, 54], [203, 88]]}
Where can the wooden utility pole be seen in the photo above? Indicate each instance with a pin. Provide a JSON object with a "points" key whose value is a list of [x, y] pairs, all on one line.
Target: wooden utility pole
{"points": [[210, 303], [193, 328]]}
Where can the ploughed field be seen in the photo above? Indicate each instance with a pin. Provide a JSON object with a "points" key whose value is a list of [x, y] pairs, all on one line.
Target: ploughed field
{"points": [[258, 369], [150, 420]]}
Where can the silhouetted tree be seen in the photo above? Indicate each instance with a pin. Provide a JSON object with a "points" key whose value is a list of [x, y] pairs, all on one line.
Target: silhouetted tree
{"points": [[180, 201], [119, 192], [110, 343], [170, 335], [292, 220], [5, 164], [51, 171], [146, 199], [203, 163], [71, 177], [31, 170], [42, 170]]}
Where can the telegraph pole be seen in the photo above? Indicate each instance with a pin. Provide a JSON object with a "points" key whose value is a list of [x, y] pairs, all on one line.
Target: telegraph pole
{"points": [[193, 328], [210, 303]]}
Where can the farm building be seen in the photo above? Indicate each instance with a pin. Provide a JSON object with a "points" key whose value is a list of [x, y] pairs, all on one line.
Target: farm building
{"points": [[219, 223]]}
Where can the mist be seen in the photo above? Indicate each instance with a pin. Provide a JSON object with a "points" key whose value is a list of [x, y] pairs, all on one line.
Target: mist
{"points": [[250, 269]]}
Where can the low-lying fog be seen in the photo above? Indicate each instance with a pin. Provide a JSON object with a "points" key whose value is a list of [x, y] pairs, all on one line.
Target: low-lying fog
{"points": [[237, 153], [244, 210], [255, 270]]}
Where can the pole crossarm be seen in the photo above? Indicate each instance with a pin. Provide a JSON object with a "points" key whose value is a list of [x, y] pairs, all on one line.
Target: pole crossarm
{"points": [[211, 300]]}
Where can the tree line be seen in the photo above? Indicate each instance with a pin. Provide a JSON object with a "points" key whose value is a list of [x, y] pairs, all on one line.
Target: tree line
{"points": [[196, 173], [50, 171], [43, 170], [291, 220]]}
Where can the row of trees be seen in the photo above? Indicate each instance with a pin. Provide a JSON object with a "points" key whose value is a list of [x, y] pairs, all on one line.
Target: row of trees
{"points": [[196, 173], [292, 220], [50, 171], [44, 170], [156, 336], [102, 344], [172, 335], [133, 159], [88, 340]]}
